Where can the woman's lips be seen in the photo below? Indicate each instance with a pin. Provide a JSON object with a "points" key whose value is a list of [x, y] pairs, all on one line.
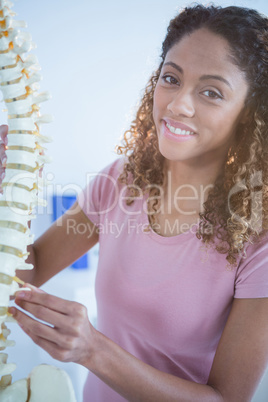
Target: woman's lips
{"points": [[177, 124], [180, 135]]}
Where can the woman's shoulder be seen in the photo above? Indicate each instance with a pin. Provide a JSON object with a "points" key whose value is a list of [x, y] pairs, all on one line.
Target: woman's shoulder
{"points": [[102, 190], [252, 272], [254, 250], [104, 185], [258, 245], [113, 169], [107, 177]]}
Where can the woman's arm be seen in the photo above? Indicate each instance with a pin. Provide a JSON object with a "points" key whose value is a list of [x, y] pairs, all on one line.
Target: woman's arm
{"points": [[238, 366], [60, 246]]}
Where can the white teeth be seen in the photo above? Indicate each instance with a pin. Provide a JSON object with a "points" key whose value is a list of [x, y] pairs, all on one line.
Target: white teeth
{"points": [[178, 131]]}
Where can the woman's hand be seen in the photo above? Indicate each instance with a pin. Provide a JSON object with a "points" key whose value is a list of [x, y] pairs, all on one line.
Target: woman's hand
{"points": [[3, 144], [68, 335]]}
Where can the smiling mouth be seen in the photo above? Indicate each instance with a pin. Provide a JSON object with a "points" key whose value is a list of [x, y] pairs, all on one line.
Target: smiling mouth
{"points": [[178, 131]]}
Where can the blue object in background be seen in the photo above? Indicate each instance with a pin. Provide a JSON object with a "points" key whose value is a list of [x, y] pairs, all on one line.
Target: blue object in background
{"points": [[61, 203]]}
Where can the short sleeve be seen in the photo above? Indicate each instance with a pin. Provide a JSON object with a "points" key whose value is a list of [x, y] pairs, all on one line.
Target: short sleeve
{"points": [[252, 274], [101, 193]]}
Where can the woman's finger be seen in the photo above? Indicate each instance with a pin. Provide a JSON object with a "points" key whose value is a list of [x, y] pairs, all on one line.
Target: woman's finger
{"points": [[3, 157], [50, 347], [41, 330], [58, 320], [51, 302], [34, 288], [45, 336], [3, 133], [2, 151], [35, 327]]}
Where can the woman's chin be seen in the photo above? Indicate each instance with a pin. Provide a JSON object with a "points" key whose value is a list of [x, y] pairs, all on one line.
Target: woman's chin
{"points": [[170, 152]]}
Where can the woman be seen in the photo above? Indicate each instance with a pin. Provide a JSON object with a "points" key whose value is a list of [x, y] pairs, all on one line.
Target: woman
{"points": [[182, 282]]}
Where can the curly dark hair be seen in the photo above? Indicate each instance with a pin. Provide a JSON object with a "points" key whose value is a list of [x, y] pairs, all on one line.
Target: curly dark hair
{"points": [[236, 217]]}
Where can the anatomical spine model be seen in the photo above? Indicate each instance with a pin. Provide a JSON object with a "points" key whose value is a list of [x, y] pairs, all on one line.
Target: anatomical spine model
{"points": [[18, 84]]}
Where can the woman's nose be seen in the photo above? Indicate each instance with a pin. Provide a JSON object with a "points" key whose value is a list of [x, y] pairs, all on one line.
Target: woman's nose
{"points": [[182, 104]]}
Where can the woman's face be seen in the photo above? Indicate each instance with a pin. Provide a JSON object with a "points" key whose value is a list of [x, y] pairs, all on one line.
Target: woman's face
{"points": [[198, 100]]}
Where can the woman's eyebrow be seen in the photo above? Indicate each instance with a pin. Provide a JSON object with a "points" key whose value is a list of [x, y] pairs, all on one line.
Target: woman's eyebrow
{"points": [[203, 77], [216, 77], [172, 64]]}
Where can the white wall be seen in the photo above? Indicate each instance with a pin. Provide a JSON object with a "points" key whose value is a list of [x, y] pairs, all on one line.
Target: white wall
{"points": [[96, 57]]}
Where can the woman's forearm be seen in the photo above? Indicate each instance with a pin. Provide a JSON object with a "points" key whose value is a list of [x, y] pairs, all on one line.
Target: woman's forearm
{"points": [[137, 381], [28, 275]]}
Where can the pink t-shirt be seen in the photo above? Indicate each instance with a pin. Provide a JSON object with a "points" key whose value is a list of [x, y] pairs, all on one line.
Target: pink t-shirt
{"points": [[163, 299]]}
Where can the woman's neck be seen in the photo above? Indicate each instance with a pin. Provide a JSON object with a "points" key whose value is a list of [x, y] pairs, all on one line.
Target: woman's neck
{"points": [[187, 186]]}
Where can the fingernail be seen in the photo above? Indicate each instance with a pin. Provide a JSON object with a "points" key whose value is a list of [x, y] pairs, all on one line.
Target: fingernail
{"points": [[3, 175], [21, 295], [4, 161], [29, 285]]}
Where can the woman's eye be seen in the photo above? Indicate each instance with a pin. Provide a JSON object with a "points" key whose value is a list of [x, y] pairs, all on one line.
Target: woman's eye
{"points": [[170, 80], [212, 94]]}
